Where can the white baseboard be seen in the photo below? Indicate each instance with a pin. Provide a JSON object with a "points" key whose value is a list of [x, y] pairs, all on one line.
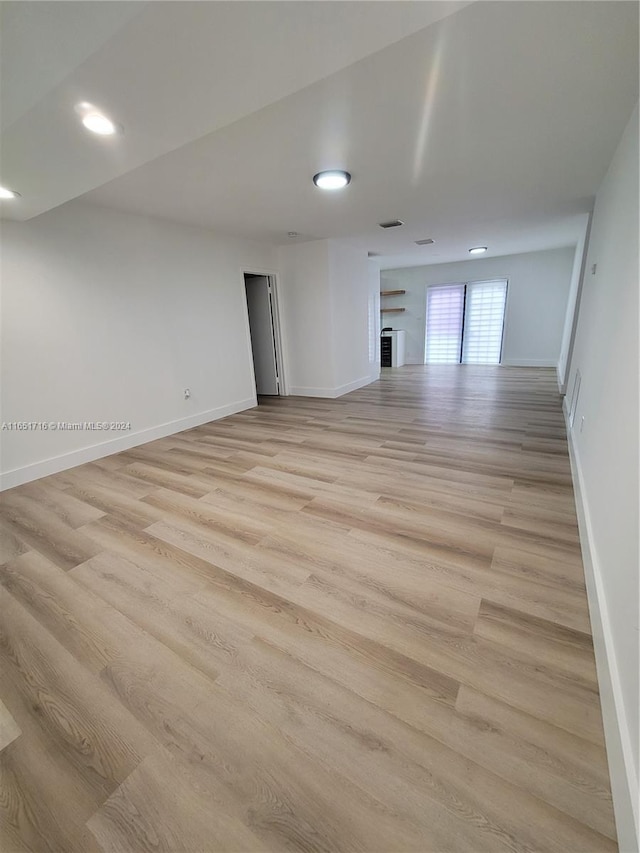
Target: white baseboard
{"points": [[624, 783], [26, 474], [309, 391], [529, 362], [331, 393], [353, 386]]}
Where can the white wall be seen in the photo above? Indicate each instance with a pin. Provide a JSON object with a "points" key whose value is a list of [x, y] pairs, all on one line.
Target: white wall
{"points": [[605, 457], [109, 316], [305, 312], [536, 301], [374, 324], [325, 306], [349, 288], [571, 315]]}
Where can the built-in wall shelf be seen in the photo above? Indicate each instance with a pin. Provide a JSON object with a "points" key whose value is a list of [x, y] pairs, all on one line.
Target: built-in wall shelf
{"points": [[392, 292], [391, 310]]}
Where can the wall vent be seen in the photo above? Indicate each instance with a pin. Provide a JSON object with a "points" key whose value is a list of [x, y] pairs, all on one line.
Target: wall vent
{"points": [[426, 242], [392, 223]]}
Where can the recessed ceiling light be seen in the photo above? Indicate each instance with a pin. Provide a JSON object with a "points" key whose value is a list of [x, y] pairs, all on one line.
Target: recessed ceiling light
{"points": [[335, 179], [98, 123], [6, 193], [477, 250]]}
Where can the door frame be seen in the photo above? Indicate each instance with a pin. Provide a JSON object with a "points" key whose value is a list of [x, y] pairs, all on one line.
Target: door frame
{"points": [[272, 276]]}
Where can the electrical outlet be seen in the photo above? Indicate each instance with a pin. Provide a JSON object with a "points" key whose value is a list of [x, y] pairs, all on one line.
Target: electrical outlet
{"points": [[187, 393]]}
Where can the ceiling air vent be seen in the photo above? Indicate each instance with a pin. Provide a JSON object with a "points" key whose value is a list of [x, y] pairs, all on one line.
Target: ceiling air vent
{"points": [[426, 242], [392, 223]]}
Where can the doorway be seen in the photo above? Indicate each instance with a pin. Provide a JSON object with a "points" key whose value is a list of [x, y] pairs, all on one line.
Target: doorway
{"points": [[264, 333]]}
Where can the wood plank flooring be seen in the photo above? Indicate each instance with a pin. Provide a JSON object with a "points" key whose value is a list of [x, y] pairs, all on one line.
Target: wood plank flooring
{"points": [[319, 625]]}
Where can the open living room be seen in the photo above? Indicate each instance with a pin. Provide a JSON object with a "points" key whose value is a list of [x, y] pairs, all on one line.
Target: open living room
{"points": [[319, 426]]}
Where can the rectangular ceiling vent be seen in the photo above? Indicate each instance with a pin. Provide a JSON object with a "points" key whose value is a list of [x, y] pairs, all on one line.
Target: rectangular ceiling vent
{"points": [[373, 254], [392, 223], [426, 242]]}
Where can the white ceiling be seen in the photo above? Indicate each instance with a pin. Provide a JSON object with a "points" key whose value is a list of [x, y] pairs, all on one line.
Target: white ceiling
{"points": [[170, 72], [43, 42], [488, 123]]}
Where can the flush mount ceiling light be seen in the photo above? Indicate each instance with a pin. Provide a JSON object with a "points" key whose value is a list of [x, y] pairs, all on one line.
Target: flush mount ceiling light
{"points": [[97, 123], [334, 179], [7, 193], [477, 250]]}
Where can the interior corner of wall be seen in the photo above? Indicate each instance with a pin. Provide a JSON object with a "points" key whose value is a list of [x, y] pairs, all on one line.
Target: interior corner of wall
{"points": [[561, 379]]}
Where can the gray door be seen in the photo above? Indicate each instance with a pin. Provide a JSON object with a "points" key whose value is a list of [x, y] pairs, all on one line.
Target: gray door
{"points": [[260, 307]]}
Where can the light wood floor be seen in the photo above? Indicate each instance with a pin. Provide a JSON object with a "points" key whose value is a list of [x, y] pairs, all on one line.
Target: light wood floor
{"points": [[319, 625]]}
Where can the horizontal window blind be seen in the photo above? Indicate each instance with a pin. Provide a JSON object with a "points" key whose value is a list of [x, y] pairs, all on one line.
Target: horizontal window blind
{"points": [[445, 309], [465, 322], [484, 317]]}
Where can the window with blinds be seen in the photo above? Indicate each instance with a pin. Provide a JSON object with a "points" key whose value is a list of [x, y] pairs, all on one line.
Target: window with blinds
{"points": [[483, 322], [465, 322], [445, 310]]}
